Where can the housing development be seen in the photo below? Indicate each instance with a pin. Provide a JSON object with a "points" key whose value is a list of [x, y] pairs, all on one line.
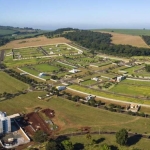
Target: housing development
{"points": [[74, 75]]}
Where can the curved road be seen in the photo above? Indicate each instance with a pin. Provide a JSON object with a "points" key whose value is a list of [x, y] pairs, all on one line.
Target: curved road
{"points": [[109, 99]]}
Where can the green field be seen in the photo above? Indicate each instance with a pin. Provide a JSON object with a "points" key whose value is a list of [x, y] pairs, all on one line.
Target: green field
{"points": [[88, 82], [46, 68], [10, 84], [108, 95], [127, 31], [132, 90], [70, 117], [136, 82]]}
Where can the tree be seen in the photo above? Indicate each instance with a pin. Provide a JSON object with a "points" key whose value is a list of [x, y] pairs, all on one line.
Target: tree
{"points": [[122, 137], [67, 145], [40, 136], [51, 145], [105, 147]]}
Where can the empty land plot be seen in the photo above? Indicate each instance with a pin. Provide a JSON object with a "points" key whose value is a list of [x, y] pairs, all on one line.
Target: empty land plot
{"points": [[59, 49], [88, 82], [45, 68], [27, 52], [10, 84], [31, 71], [125, 39], [131, 90], [75, 117], [42, 40], [132, 70], [136, 82]]}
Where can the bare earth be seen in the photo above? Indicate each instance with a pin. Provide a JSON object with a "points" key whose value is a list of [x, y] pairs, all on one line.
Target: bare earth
{"points": [[125, 39], [42, 40]]}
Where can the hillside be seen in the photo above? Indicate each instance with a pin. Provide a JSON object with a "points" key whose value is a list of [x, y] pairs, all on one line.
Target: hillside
{"points": [[42, 40]]}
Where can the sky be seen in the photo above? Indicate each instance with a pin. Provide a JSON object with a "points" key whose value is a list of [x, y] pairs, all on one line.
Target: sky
{"points": [[82, 14]]}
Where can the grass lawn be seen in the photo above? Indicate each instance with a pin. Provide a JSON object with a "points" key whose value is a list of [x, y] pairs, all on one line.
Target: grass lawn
{"points": [[45, 68], [113, 96], [70, 117], [34, 72], [136, 82], [132, 69], [12, 86], [88, 82]]}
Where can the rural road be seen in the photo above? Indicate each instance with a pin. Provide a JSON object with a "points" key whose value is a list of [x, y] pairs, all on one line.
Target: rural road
{"points": [[109, 99]]}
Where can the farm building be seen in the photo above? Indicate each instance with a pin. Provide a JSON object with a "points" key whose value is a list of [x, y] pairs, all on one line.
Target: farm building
{"points": [[5, 123], [74, 71]]}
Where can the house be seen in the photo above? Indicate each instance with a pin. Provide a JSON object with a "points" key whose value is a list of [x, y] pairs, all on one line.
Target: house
{"points": [[60, 88], [89, 97], [120, 78], [95, 79], [74, 71]]}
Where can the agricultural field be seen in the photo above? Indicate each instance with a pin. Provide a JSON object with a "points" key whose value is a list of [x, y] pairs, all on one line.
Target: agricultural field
{"points": [[12, 86], [126, 39], [128, 31]]}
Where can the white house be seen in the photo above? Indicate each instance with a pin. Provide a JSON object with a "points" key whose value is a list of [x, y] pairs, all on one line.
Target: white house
{"points": [[120, 78], [89, 97], [95, 79], [74, 71]]}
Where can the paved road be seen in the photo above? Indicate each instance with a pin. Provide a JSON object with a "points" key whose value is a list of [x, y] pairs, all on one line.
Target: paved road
{"points": [[109, 99]]}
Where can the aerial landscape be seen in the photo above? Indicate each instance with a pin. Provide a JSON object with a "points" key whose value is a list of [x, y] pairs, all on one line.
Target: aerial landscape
{"points": [[74, 75]]}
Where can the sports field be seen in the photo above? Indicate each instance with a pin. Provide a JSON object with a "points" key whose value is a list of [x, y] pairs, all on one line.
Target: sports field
{"points": [[10, 84]]}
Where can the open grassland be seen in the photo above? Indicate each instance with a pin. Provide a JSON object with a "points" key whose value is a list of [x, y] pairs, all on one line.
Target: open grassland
{"points": [[10, 84], [108, 95], [42, 40], [70, 117], [125, 39], [127, 31], [143, 144]]}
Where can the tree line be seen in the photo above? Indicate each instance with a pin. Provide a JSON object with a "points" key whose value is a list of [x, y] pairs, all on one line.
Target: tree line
{"points": [[101, 42], [58, 32], [146, 39]]}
